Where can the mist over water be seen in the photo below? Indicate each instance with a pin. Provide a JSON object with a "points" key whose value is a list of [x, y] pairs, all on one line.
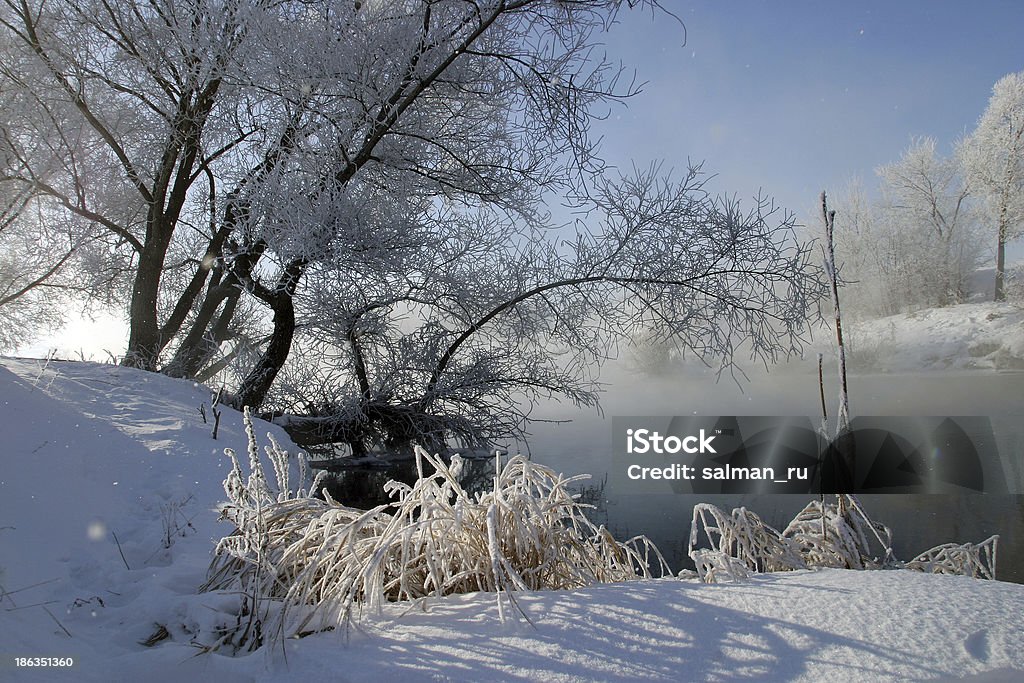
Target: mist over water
{"points": [[919, 522]]}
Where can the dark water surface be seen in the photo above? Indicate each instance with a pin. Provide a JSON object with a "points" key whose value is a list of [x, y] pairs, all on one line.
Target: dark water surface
{"points": [[919, 522]]}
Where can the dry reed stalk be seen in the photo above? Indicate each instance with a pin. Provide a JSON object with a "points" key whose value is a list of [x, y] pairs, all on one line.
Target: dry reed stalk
{"points": [[821, 535], [324, 563]]}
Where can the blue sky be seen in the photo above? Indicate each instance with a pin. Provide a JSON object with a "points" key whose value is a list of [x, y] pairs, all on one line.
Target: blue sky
{"points": [[798, 96]]}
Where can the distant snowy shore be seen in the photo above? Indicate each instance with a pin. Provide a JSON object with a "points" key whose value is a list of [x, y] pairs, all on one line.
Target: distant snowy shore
{"points": [[107, 493], [987, 336]]}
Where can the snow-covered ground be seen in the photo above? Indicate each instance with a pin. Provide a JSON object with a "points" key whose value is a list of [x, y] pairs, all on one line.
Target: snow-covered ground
{"points": [[108, 484], [969, 336]]}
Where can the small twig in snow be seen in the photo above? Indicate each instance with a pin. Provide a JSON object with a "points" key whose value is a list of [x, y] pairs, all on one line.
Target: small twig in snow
{"points": [[120, 551], [58, 623]]}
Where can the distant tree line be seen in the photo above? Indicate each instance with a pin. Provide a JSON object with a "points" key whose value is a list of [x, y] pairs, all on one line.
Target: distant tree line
{"points": [[937, 219]]}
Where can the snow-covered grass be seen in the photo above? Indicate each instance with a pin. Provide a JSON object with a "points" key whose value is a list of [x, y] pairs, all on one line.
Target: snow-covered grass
{"points": [[727, 547], [108, 494], [323, 563]]}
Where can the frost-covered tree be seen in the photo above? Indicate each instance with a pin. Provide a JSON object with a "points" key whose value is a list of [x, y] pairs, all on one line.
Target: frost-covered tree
{"points": [[460, 346], [44, 253], [22, 271], [367, 183], [130, 117], [915, 246], [993, 159], [165, 122], [31, 261], [932, 236], [866, 254], [485, 106]]}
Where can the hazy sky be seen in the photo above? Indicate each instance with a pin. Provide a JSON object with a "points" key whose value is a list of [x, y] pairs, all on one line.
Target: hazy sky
{"points": [[798, 96]]}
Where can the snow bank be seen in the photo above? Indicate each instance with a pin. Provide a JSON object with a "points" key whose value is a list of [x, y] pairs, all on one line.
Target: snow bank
{"points": [[92, 451], [968, 336]]}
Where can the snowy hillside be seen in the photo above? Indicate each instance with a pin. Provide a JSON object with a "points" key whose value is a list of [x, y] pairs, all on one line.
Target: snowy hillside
{"points": [[108, 487], [969, 336]]}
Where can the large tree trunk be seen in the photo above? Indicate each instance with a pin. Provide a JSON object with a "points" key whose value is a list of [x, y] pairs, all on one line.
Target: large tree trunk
{"points": [[145, 340], [173, 180], [201, 342], [200, 345], [256, 385]]}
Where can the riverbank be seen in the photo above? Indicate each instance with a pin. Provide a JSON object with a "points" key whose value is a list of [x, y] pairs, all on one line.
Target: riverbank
{"points": [[107, 500]]}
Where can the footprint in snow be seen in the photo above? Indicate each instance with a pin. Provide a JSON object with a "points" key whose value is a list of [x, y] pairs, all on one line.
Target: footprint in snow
{"points": [[977, 645]]}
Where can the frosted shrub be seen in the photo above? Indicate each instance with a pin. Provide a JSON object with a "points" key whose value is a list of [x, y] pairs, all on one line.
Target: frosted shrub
{"points": [[840, 535], [266, 520], [821, 535], [322, 563], [970, 559], [740, 542]]}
